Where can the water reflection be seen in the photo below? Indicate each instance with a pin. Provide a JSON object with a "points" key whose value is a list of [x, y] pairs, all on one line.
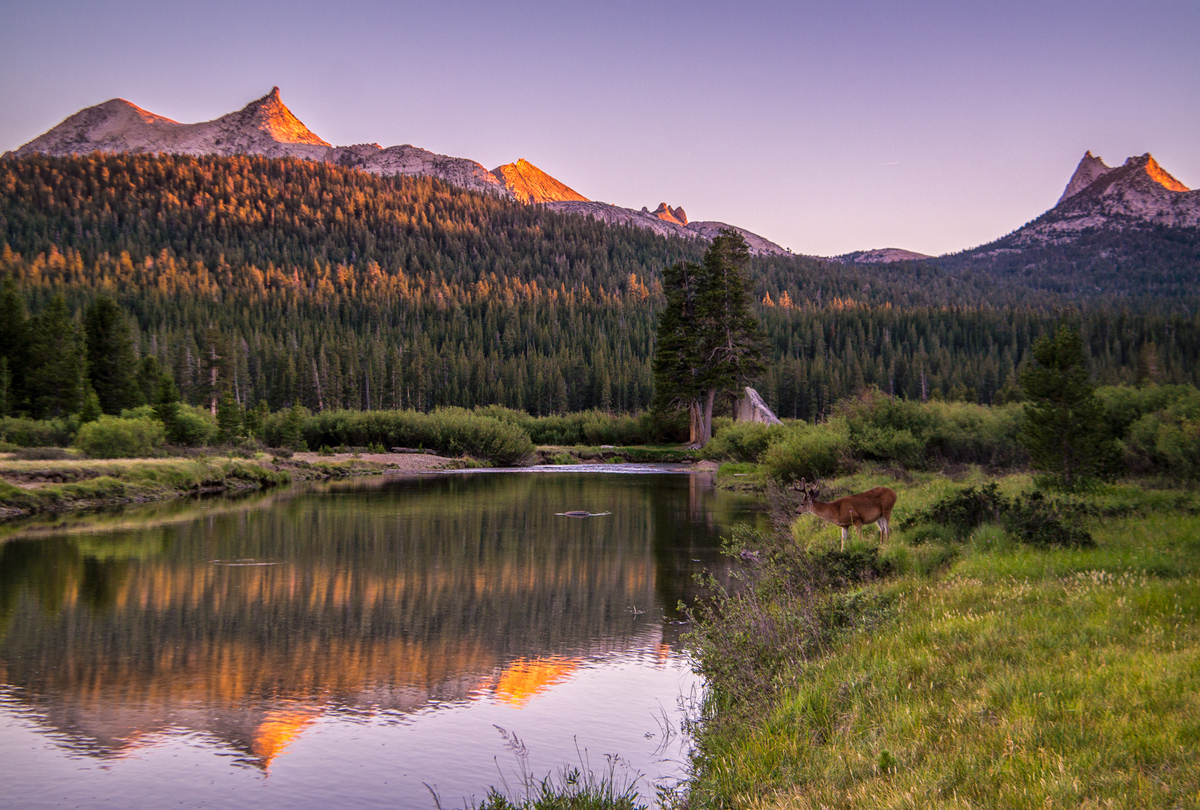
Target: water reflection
{"points": [[248, 624]]}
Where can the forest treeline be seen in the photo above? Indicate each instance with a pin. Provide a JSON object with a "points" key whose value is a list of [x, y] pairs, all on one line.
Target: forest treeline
{"points": [[285, 281]]}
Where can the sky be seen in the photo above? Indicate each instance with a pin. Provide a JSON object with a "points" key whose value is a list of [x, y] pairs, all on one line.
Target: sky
{"points": [[826, 127]]}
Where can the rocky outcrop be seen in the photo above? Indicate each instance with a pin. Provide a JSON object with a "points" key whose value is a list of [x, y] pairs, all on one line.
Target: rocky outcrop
{"points": [[616, 215], [412, 160], [757, 244], [1090, 169], [668, 214]]}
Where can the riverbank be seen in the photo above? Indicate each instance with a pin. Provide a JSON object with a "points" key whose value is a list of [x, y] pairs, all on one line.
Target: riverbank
{"points": [[960, 668], [29, 487]]}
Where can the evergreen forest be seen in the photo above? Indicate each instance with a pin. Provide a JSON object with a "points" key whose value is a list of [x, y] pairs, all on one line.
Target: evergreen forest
{"points": [[288, 282]]}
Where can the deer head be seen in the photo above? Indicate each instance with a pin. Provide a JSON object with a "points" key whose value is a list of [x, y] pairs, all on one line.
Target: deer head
{"points": [[808, 494]]}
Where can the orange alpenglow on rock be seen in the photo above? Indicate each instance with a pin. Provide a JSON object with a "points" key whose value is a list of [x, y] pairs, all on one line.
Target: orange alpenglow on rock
{"points": [[669, 214], [1159, 175], [524, 678], [529, 184]]}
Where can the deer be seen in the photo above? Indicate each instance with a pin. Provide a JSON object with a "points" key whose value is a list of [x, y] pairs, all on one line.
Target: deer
{"points": [[873, 506]]}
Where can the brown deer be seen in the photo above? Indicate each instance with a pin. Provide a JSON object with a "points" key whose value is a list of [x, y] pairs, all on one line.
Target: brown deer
{"points": [[872, 506]]}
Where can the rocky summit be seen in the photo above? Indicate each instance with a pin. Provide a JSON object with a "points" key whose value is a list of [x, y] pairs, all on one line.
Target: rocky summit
{"points": [[1137, 194], [529, 184]]}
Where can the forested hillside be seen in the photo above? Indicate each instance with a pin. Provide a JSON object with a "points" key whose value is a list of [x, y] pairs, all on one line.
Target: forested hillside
{"points": [[286, 280]]}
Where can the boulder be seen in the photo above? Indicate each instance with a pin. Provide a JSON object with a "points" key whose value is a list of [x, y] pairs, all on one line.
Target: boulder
{"points": [[751, 408]]}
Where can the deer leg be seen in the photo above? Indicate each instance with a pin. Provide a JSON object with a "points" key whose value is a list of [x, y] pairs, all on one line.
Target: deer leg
{"points": [[845, 534]]}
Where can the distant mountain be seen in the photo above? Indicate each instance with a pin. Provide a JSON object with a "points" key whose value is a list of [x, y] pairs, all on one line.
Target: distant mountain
{"points": [[263, 127], [267, 127], [1130, 231], [1139, 194], [881, 256], [1135, 196]]}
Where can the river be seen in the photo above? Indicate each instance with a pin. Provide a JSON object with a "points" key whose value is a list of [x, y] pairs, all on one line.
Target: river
{"points": [[391, 642]]}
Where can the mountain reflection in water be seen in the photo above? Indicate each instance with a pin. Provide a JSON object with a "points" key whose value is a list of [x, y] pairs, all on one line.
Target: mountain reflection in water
{"points": [[248, 626]]}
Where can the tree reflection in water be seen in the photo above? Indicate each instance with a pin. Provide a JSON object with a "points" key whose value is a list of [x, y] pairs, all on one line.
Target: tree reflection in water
{"points": [[383, 596]]}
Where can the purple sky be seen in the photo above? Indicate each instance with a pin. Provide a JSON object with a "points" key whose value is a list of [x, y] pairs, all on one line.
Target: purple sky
{"points": [[826, 127]]}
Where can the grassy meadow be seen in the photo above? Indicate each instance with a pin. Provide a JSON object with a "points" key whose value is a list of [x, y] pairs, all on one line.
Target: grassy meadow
{"points": [[960, 671]]}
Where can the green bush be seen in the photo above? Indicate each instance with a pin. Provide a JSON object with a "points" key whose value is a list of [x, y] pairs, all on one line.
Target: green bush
{"points": [[35, 432], [807, 451], [882, 428], [964, 433], [922, 435], [114, 437], [449, 431], [192, 426], [741, 441], [1125, 405], [1029, 518], [588, 428], [1167, 441]]}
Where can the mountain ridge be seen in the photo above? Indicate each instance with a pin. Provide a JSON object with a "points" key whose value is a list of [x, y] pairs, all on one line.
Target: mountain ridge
{"points": [[268, 128], [1136, 195]]}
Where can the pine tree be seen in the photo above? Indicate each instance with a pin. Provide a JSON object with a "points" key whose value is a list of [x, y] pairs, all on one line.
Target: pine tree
{"points": [[112, 366], [166, 410], [57, 370], [708, 339], [1065, 431], [229, 417], [14, 341]]}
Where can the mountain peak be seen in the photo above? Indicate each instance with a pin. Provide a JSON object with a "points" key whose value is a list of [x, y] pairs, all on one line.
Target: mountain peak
{"points": [[529, 184], [1089, 170], [271, 116]]}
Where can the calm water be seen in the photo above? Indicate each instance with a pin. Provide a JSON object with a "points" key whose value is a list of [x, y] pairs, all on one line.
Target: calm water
{"points": [[353, 644]]}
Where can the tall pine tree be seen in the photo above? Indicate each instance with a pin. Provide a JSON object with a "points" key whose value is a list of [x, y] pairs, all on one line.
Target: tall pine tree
{"points": [[708, 339], [57, 373], [1065, 431], [112, 366]]}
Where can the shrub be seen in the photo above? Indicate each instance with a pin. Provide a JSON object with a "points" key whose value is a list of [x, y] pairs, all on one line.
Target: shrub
{"points": [[187, 425], [1167, 441], [807, 451], [1125, 405], [881, 428], [919, 435], [449, 431], [963, 433], [741, 441], [35, 432], [1029, 518], [114, 437], [584, 428]]}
